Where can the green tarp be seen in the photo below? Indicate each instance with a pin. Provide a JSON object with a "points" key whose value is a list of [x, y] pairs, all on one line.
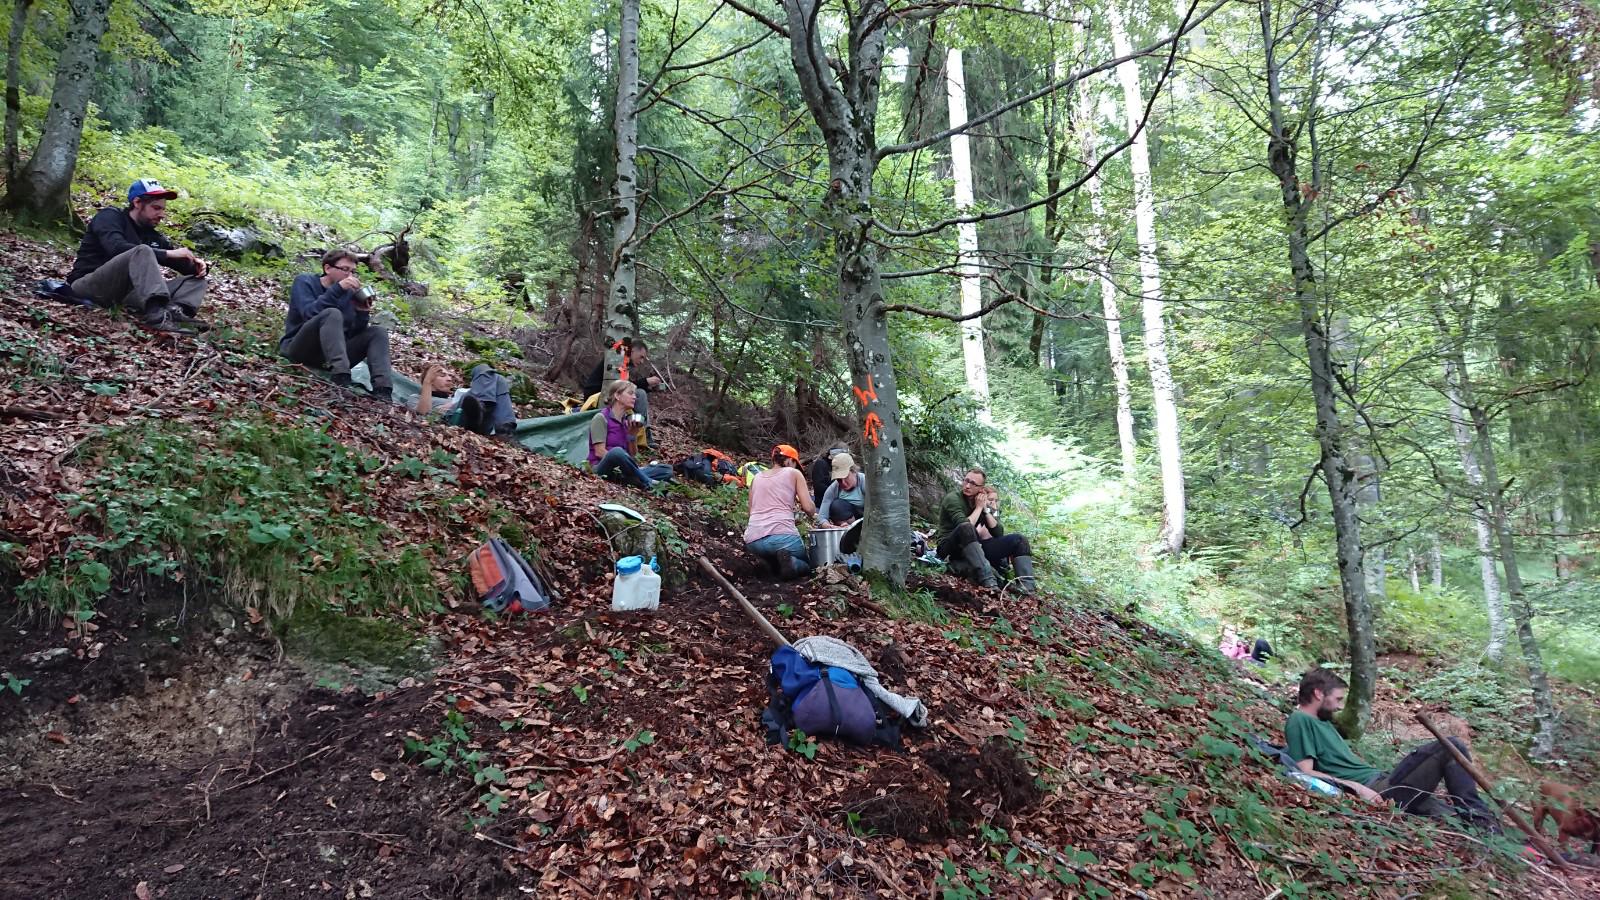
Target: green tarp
{"points": [[563, 437]]}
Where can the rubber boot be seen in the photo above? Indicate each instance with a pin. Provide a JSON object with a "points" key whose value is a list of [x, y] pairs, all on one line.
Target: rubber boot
{"points": [[972, 554], [1024, 567]]}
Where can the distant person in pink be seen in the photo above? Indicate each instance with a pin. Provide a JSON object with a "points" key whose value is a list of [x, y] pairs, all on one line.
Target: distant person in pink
{"points": [[775, 494]]}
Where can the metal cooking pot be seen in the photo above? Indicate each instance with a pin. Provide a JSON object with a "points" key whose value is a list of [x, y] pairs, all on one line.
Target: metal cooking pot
{"points": [[822, 546]]}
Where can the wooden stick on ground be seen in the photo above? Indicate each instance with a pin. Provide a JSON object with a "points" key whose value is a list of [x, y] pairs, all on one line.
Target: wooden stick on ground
{"points": [[1483, 781], [749, 610]]}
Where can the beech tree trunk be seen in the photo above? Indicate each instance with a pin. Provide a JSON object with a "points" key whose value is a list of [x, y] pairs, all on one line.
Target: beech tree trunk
{"points": [[1282, 149], [842, 96], [972, 351], [1436, 563], [1108, 288], [42, 191], [1461, 425], [19, 28], [622, 312], [1163, 394]]}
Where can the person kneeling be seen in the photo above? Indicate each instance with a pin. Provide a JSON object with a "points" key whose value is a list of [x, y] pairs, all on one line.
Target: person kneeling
{"points": [[846, 496], [1321, 752], [614, 437], [970, 534], [329, 323], [774, 496]]}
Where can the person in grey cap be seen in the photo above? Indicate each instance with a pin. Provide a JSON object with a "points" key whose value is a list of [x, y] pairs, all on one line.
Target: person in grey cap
{"points": [[121, 258]]}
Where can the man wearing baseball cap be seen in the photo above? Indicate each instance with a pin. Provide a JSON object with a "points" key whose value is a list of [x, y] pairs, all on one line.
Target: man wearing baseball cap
{"points": [[121, 258]]}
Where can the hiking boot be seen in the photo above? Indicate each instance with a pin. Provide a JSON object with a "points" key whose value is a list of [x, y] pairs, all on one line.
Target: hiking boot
{"points": [[190, 319], [384, 394], [342, 379], [1024, 567], [787, 570], [164, 318], [972, 555]]}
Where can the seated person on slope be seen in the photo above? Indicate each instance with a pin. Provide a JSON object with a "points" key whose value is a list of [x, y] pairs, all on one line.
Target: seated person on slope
{"points": [[775, 494], [822, 473], [328, 324], [845, 500], [1320, 751], [636, 358], [962, 513], [121, 257], [613, 437]]}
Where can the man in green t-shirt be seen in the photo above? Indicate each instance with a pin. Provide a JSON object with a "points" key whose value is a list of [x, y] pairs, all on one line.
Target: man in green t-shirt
{"points": [[969, 530], [1320, 751]]}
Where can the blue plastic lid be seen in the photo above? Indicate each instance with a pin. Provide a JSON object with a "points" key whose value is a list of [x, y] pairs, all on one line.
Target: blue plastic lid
{"points": [[629, 565]]}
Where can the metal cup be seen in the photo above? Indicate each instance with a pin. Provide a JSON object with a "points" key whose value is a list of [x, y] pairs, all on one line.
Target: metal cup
{"points": [[364, 296]]}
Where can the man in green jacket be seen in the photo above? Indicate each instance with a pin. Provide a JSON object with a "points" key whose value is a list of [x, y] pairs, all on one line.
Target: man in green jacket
{"points": [[969, 531], [1320, 751]]}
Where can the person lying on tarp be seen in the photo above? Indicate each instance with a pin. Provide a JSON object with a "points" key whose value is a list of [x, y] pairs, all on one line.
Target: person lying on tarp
{"points": [[845, 500], [613, 437], [484, 407], [775, 494]]}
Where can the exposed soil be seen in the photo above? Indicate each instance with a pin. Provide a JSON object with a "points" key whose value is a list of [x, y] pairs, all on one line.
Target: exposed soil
{"points": [[985, 781], [169, 754], [910, 803]]}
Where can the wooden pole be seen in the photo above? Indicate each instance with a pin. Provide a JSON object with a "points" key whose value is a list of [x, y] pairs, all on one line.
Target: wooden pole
{"points": [[749, 610], [1483, 781]]}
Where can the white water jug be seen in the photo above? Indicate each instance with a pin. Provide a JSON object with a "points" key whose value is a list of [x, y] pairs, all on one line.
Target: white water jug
{"points": [[637, 586]]}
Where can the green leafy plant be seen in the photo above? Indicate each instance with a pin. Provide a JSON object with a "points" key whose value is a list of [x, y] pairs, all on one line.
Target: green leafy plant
{"points": [[641, 739], [803, 744], [15, 684]]}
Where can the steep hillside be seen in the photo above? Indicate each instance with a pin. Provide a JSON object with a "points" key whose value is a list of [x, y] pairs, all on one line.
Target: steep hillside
{"points": [[267, 681]]}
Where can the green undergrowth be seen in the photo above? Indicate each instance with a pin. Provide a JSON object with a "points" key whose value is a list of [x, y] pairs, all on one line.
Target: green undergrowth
{"points": [[274, 515]]}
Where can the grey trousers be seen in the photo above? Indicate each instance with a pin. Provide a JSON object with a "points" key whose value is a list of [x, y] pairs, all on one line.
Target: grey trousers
{"points": [[322, 342], [133, 278]]}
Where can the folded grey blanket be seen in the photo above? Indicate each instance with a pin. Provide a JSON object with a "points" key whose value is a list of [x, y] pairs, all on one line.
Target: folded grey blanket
{"points": [[827, 651]]}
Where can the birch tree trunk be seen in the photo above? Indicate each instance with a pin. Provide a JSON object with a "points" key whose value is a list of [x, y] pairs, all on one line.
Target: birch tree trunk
{"points": [[621, 302], [842, 96], [42, 191], [1544, 707], [1098, 244], [1155, 335], [19, 28], [967, 238], [1461, 425], [1336, 471], [1436, 563]]}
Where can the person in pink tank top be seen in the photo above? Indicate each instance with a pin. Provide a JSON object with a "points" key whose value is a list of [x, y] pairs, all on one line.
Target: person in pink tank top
{"points": [[774, 496]]}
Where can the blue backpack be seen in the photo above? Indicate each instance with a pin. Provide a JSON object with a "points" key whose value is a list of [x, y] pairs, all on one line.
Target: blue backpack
{"points": [[822, 701]]}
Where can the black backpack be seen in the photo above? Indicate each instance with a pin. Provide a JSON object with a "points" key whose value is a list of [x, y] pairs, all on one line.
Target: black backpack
{"points": [[698, 468]]}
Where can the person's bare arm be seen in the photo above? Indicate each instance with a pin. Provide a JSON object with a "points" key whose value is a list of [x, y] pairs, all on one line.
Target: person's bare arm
{"points": [[802, 493], [1360, 790], [425, 399]]}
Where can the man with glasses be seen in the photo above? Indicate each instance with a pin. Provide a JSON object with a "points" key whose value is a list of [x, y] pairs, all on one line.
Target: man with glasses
{"points": [[328, 325], [121, 257], [970, 535]]}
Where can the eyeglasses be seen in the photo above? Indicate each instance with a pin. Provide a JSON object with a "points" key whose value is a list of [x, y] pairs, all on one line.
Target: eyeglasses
{"points": [[971, 481], [345, 269]]}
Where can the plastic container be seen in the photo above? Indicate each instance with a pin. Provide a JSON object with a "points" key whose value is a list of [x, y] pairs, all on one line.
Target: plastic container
{"points": [[637, 586]]}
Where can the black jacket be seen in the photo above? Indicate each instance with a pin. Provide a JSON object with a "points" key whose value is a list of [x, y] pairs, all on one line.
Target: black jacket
{"points": [[112, 231], [596, 380]]}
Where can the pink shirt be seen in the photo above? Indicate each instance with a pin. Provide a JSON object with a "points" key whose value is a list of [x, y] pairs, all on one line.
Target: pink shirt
{"points": [[772, 499]]}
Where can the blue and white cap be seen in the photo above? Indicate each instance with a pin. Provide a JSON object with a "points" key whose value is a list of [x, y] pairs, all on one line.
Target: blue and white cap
{"points": [[151, 189]]}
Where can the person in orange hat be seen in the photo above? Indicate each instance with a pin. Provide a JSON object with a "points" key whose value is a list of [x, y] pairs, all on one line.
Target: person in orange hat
{"points": [[774, 496]]}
